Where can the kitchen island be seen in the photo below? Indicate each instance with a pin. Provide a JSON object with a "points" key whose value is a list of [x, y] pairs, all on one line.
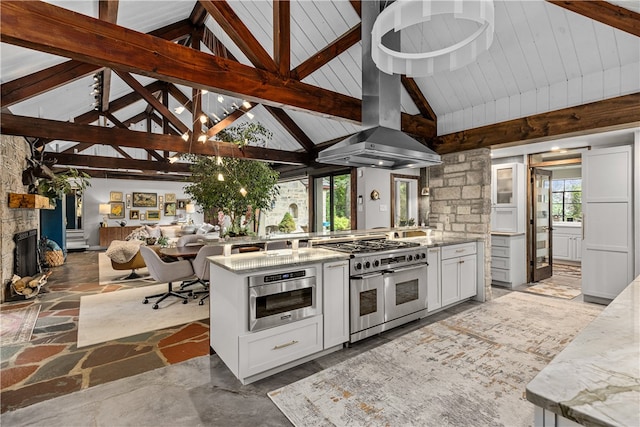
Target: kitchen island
{"points": [[272, 310], [595, 380]]}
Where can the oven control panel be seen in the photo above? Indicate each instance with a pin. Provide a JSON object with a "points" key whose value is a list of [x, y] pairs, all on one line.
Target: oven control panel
{"points": [[387, 260]]}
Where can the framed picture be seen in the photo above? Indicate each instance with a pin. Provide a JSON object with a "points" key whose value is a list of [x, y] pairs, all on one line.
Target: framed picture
{"points": [[128, 201], [151, 215], [160, 199], [117, 210], [170, 197], [145, 200], [115, 196], [134, 214], [142, 216], [169, 209], [182, 204]]}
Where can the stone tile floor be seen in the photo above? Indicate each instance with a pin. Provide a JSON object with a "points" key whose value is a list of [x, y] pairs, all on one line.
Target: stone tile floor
{"points": [[51, 365]]}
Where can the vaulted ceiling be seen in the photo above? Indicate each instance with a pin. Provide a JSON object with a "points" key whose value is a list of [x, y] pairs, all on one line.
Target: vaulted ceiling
{"points": [[555, 68]]}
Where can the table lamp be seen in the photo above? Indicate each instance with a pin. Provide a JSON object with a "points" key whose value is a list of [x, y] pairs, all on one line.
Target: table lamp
{"points": [[104, 209], [191, 208]]}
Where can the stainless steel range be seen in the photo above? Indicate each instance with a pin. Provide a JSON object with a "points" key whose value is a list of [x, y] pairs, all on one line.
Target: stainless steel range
{"points": [[387, 286]]}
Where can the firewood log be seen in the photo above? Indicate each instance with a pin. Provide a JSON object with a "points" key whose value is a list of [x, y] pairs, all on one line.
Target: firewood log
{"points": [[22, 283]]}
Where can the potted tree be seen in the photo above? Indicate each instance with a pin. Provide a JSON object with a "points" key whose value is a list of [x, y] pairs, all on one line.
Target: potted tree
{"points": [[236, 187]]}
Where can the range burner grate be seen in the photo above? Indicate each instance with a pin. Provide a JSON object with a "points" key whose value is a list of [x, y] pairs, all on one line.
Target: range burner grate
{"points": [[367, 246]]}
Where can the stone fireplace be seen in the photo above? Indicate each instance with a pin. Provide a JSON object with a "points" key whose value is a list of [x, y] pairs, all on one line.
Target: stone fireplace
{"points": [[13, 152]]}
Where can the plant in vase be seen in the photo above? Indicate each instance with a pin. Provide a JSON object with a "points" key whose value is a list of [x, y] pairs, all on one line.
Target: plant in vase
{"points": [[233, 186], [63, 183]]}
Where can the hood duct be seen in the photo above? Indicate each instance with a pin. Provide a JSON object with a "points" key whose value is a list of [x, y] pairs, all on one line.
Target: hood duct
{"points": [[382, 144]]}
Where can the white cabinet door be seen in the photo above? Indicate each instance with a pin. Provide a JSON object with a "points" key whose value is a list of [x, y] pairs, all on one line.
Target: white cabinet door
{"points": [[434, 286], [577, 247], [508, 204], [504, 185], [450, 281], [468, 276], [607, 248], [562, 246], [336, 303]]}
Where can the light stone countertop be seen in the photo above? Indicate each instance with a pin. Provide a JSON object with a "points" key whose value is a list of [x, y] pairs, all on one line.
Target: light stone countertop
{"points": [[433, 242], [252, 262], [595, 380]]}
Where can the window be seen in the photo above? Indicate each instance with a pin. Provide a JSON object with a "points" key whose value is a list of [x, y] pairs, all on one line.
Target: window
{"points": [[332, 200], [404, 190], [293, 210], [566, 199]]}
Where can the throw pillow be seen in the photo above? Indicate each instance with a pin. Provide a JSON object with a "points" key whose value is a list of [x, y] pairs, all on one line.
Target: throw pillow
{"points": [[138, 234], [153, 231], [205, 228]]}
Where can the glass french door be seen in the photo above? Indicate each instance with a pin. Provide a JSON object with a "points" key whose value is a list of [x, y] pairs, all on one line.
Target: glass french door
{"points": [[541, 251], [332, 202]]}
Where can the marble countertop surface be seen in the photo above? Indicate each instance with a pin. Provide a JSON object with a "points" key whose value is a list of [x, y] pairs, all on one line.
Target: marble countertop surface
{"points": [[432, 241], [595, 380], [252, 262]]}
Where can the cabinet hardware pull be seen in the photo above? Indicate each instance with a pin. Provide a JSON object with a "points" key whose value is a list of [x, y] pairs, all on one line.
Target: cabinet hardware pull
{"points": [[460, 262], [336, 265], [460, 250], [433, 251], [278, 347]]}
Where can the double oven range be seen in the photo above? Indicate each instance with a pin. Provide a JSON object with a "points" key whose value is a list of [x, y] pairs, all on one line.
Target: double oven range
{"points": [[387, 284]]}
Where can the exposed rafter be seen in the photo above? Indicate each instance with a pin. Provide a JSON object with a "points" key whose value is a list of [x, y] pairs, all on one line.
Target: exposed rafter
{"points": [[282, 36], [108, 12], [116, 163], [292, 127], [418, 98], [610, 14]]}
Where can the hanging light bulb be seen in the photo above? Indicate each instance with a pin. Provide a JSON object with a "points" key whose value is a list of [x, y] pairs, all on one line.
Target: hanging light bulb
{"points": [[204, 91], [185, 136], [220, 177], [219, 161], [220, 99], [243, 192], [173, 159], [179, 109], [246, 104], [250, 115], [202, 138], [215, 116], [203, 119]]}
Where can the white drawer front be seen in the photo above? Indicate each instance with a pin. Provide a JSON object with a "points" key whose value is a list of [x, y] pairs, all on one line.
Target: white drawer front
{"points": [[273, 347], [500, 275], [499, 262], [499, 252], [455, 251], [500, 241]]}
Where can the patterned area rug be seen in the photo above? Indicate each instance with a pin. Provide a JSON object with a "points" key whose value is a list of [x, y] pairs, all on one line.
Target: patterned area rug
{"points": [[16, 326], [113, 315], [469, 369], [553, 290], [107, 275]]}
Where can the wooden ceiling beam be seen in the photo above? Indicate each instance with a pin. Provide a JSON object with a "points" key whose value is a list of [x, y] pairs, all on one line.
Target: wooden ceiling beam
{"points": [[108, 12], [116, 162], [34, 84], [330, 52], [238, 32], [619, 112], [418, 98], [356, 6], [126, 155], [61, 32], [152, 100], [282, 36], [78, 148], [227, 121], [292, 127], [198, 15], [610, 14], [125, 174], [44, 128]]}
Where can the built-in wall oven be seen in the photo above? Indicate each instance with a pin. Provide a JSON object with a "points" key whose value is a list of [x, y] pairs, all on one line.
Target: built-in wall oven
{"points": [[280, 298], [388, 284]]}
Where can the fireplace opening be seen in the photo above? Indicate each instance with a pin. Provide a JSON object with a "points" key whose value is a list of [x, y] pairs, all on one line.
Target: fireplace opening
{"points": [[26, 261]]}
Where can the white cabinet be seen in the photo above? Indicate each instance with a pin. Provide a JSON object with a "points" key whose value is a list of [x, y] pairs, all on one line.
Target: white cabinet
{"points": [[567, 242], [434, 289], [508, 259], [508, 190], [336, 303], [458, 272]]}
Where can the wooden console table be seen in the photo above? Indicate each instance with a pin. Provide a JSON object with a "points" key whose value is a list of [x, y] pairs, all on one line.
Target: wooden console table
{"points": [[109, 234]]}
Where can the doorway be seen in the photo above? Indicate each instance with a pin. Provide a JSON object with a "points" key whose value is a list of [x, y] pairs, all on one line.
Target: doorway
{"points": [[332, 195]]}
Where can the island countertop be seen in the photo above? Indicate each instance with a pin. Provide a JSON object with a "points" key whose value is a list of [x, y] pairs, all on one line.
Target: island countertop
{"points": [[434, 242], [595, 380], [252, 262]]}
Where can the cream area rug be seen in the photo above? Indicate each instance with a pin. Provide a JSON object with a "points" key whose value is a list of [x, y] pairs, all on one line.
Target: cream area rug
{"points": [[553, 290], [112, 315], [16, 326], [468, 370], [107, 275]]}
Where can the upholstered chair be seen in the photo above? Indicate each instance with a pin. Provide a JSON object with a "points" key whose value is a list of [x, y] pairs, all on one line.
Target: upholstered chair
{"points": [[166, 272], [188, 239], [201, 267]]}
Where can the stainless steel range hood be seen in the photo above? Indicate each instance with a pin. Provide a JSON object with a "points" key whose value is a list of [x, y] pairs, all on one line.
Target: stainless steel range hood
{"points": [[382, 144]]}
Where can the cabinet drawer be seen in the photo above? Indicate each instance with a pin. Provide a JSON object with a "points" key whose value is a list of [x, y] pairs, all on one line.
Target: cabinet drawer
{"points": [[497, 262], [499, 252], [502, 241], [273, 347], [458, 250], [500, 275]]}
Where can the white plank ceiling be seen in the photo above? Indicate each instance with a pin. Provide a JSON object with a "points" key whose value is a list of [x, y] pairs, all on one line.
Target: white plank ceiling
{"points": [[543, 58]]}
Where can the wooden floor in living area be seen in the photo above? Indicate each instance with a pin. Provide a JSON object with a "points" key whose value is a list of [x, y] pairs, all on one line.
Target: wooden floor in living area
{"points": [[51, 365]]}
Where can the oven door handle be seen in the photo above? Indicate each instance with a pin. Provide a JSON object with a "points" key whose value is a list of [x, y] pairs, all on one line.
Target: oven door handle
{"points": [[412, 267], [367, 276]]}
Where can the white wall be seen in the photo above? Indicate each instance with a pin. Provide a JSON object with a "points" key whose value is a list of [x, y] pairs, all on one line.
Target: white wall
{"points": [[100, 190], [376, 213]]}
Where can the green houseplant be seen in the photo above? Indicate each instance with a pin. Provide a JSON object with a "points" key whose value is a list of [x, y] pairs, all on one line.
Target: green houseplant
{"points": [[235, 186], [62, 183]]}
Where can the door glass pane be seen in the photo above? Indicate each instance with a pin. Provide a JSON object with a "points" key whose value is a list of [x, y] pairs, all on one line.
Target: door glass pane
{"points": [[368, 302], [341, 202], [542, 194], [504, 184], [406, 291]]}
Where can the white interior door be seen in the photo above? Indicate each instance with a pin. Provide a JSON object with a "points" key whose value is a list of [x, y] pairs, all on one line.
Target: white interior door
{"points": [[607, 247]]}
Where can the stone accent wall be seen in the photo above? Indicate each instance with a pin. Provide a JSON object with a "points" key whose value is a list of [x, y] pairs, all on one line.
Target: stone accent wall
{"points": [[291, 193], [460, 199], [13, 152]]}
